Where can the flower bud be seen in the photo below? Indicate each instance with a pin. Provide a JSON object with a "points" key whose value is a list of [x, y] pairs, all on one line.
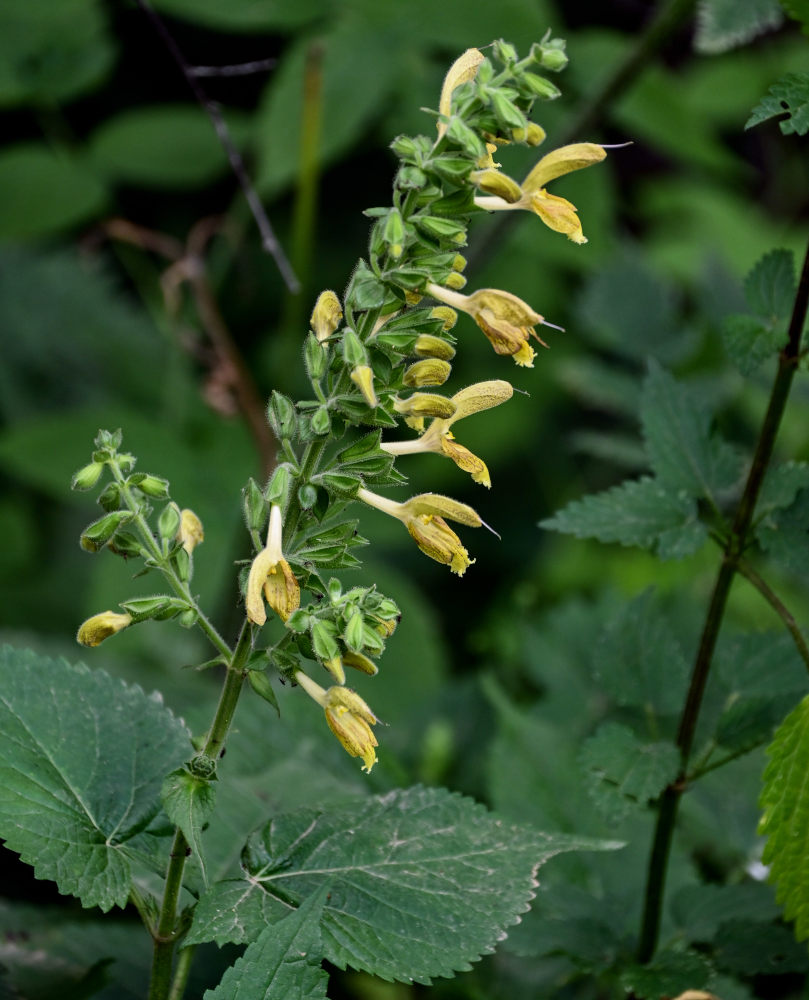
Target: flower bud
{"points": [[96, 535], [321, 421], [393, 233], [448, 316], [531, 135], [455, 281], [254, 504], [541, 87], [352, 636], [425, 404], [169, 521], [277, 490], [100, 627], [430, 371], [353, 351], [315, 358], [326, 315], [429, 346], [281, 415], [87, 477], [151, 486], [360, 662], [190, 532], [363, 377]]}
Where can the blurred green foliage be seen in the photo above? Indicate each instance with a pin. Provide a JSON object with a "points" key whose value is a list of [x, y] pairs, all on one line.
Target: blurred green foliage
{"points": [[489, 685]]}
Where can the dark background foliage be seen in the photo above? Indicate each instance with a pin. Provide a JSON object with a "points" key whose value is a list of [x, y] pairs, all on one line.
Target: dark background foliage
{"points": [[96, 330]]}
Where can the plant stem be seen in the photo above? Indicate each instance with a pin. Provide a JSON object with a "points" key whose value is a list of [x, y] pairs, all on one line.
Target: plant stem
{"points": [[733, 550], [184, 959], [166, 933], [779, 607]]}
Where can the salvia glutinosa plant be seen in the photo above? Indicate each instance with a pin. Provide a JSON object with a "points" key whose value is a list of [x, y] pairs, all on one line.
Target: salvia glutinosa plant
{"points": [[116, 801]]}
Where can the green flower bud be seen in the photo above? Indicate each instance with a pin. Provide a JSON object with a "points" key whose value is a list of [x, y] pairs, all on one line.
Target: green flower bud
{"points": [[87, 477], [540, 87], [277, 492], [281, 416], [110, 497], [254, 504], [353, 351], [353, 634], [321, 421], [96, 535], [393, 233], [168, 523], [152, 486], [315, 357], [324, 640], [307, 496]]}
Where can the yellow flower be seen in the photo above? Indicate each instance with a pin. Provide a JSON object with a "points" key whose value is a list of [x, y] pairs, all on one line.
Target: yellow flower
{"points": [[439, 439], [348, 717], [557, 213], [423, 516], [326, 315], [190, 532], [464, 69], [507, 321], [100, 627], [271, 573], [429, 371]]}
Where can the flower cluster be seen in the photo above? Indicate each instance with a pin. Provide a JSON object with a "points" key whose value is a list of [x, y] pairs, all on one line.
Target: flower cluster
{"points": [[374, 360]]}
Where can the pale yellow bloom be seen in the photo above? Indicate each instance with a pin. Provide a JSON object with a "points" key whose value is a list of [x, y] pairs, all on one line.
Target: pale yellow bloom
{"points": [[271, 575], [496, 183], [363, 378], [464, 69], [428, 346], [100, 627], [190, 532], [429, 371], [326, 315], [439, 439], [557, 213], [507, 321], [348, 717], [423, 516]]}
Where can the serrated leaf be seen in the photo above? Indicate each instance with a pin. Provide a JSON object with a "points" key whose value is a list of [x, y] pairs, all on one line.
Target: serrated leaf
{"points": [[188, 802], [770, 286], [284, 961], [431, 882], [622, 773], [749, 342], [82, 758], [750, 948], [699, 910], [639, 661], [637, 512], [727, 24], [781, 486], [785, 819], [669, 974], [790, 96], [750, 721], [784, 534], [682, 451]]}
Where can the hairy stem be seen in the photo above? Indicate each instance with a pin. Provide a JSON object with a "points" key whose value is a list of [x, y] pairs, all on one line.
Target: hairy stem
{"points": [[166, 932], [178, 984], [733, 550]]}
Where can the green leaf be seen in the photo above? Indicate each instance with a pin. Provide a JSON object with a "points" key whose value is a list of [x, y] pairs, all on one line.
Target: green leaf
{"points": [[82, 758], [52, 53], [622, 773], [639, 512], [639, 660], [699, 910], [353, 92], [785, 819], [669, 974], [781, 486], [246, 15], [750, 948], [45, 192], [676, 428], [790, 96], [727, 24], [784, 534], [431, 882], [166, 145], [284, 961], [189, 801], [770, 286]]}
